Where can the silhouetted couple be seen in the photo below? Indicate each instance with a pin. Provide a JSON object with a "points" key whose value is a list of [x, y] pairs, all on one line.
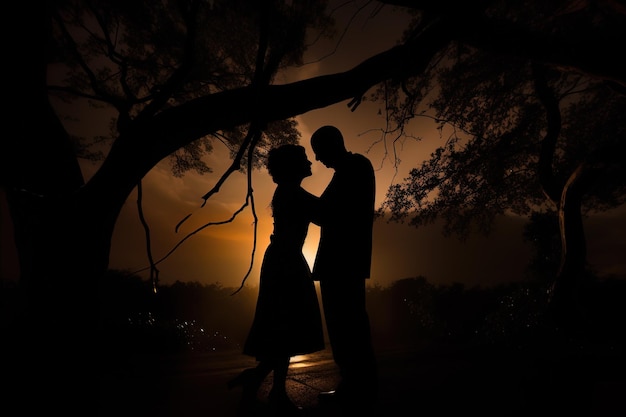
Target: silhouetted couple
{"points": [[287, 319]]}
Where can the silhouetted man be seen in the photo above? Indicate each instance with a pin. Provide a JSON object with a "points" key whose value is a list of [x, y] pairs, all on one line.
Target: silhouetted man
{"points": [[342, 265]]}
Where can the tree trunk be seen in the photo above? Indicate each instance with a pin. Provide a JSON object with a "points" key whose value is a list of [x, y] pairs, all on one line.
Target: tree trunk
{"points": [[62, 234], [565, 293], [52, 340]]}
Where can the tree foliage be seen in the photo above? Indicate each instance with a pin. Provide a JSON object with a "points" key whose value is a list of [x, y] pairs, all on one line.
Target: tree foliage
{"points": [[492, 124], [138, 59], [521, 133]]}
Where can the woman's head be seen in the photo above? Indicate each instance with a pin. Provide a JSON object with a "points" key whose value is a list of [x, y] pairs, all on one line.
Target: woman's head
{"points": [[288, 163]]}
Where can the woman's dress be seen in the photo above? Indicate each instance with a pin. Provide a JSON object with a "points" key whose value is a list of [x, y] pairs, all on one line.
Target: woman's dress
{"points": [[287, 320]]}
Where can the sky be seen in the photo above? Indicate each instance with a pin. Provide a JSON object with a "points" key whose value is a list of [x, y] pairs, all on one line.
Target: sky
{"points": [[224, 253]]}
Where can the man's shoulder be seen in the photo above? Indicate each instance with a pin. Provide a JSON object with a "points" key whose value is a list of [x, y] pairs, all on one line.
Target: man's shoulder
{"points": [[359, 158], [361, 161]]}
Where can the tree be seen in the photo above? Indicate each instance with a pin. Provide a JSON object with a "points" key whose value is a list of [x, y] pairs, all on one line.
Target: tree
{"points": [[523, 137], [172, 84]]}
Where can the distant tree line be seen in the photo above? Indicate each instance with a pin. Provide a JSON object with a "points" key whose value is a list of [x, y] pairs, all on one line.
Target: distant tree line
{"points": [[189, 316], [177, 317]]}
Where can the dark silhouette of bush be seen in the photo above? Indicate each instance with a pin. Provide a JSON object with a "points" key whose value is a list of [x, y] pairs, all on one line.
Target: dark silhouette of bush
{"points": [[177, 317], [413, 311], [409, 312]]}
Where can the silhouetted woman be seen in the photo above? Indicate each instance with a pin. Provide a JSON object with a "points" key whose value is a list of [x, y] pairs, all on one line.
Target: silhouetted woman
{"points": [[287, 320]]}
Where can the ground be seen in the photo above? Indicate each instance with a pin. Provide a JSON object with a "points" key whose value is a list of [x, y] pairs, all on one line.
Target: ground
{"points": [[433, 380]]}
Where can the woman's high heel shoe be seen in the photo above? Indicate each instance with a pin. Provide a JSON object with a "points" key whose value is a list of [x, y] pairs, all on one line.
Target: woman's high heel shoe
{"points": [[250, 379], [244, 378]]}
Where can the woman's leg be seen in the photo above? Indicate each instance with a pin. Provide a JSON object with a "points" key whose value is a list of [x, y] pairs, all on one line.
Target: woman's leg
{"points": [[278, 398], [279, 383]]}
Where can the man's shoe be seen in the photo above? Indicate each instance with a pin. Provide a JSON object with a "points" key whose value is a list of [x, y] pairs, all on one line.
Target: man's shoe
{"points": [[327, 397]]}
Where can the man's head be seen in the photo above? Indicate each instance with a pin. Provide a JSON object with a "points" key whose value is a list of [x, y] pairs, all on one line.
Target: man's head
{"points": [[327, 143]]}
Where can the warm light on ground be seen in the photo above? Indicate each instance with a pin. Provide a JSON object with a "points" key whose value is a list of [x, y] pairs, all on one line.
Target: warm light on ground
{"points": [[317, 358], [300, 361]]}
